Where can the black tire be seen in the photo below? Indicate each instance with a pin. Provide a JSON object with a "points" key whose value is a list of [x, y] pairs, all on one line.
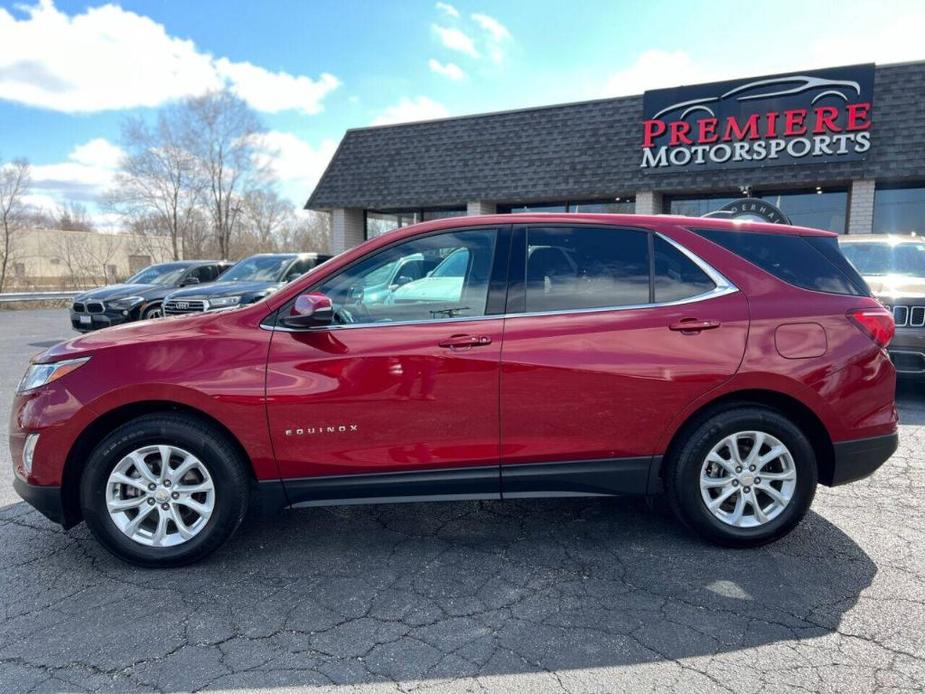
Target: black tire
{"points": [[151, 312], [683, 468], [226, 465]]}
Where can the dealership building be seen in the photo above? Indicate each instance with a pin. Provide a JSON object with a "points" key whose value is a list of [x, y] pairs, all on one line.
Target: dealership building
{"points": [[840, 149]]}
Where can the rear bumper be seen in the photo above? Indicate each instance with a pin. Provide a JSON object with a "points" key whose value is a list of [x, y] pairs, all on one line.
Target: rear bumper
{"points": [[45, 500], [855, 460]]}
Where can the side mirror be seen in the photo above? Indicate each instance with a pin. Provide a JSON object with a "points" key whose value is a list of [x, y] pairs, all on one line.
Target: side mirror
{"points": [[401, 281], [190, 280], [310, 311]]}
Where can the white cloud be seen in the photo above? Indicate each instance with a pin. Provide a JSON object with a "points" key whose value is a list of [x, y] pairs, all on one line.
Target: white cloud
{"points": [[297, 163], [657, 68], [89, 170], [108, 58], [492, 26], [451, 70], [496, 35], [407, 110], [448, 9], [456, 40]]}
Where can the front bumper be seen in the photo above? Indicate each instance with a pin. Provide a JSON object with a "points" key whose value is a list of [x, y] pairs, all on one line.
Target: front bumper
{"points": [[105, 319], [46, 500], [855, 460], [907, 351]]}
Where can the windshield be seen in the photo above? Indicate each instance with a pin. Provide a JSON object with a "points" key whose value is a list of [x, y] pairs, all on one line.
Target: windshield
{"points": [[454, 265], [168, 274], [267, 268], [886, 258]]}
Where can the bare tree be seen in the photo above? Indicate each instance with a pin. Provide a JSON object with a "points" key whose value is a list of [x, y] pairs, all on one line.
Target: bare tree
{"points": [[265, 215], [71, 248], [73, 216], [15, 181], [308, 232], [160, 180], [221, 132]]}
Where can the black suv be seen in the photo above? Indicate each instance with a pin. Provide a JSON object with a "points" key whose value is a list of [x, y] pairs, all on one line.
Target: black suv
{"points": [[250, 280], [141, 296]]}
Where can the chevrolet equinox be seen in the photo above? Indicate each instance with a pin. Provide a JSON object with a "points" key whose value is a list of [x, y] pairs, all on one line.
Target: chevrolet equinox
{"points": [[730, 365]]}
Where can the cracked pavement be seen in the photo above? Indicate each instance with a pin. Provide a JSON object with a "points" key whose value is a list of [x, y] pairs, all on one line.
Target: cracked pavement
{"points": [[572, 595]]}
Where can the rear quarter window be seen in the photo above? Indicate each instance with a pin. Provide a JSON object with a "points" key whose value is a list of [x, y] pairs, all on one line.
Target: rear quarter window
{"points": [[809, 262]]}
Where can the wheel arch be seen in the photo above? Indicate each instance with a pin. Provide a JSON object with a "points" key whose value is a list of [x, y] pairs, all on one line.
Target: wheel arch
{"points": [[786, 405], [95, 431]]}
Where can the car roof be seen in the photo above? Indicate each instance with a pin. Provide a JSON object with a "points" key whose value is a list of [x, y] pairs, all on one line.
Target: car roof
{"points": [[628, 220], [882, 238]]}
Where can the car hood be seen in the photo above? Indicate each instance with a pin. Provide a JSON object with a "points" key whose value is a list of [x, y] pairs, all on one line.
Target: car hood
{"points": [[120, 291], [206, 291], [895, 286], [126, 333]]}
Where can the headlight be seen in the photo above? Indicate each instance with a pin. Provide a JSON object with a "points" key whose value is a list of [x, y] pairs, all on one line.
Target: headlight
{"points": [[127, 302], [38, 375], [224, 301]]}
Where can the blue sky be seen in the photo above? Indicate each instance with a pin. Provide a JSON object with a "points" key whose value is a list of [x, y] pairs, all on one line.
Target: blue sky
{"points": [[70, 71]]}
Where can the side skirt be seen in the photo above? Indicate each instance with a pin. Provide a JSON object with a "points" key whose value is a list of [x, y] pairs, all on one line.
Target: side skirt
{"points": [[610, 477]]}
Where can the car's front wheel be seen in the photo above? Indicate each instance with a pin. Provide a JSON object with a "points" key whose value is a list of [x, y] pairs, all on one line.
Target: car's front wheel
{"points": [[742, 477], [151, 312], [164, 490]]}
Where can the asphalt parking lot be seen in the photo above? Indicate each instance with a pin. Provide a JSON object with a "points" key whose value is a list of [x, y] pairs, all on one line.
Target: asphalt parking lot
{"points": [[575, 595]]}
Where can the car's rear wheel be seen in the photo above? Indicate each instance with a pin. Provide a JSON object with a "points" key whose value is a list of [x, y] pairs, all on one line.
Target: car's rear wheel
{"points": [[742, 477], [164, 490], [155, 311]]}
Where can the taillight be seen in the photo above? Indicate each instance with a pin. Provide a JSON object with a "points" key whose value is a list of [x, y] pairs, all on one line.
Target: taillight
{"points": [[876, 323]]}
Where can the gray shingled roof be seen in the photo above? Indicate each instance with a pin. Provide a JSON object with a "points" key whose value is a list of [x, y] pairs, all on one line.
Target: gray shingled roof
{"points": [[583, 150]]}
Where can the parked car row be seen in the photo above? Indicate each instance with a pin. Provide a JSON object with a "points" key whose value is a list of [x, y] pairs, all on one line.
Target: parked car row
{"points": [[189, 286]]}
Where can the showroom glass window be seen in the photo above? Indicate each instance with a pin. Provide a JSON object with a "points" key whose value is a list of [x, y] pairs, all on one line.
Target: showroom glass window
{"points": [[586, 267], [817, 209], [431, 277], [379, 222], [809, 208], [621, 205], [697, 206], [899, 210]]}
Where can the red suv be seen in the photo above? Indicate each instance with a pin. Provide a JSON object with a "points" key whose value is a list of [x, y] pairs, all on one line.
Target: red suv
{"points": [[731, 365]]}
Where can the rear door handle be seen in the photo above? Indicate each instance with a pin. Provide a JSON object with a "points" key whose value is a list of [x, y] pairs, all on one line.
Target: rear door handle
{"points": [[693, 325], [465, 341]]}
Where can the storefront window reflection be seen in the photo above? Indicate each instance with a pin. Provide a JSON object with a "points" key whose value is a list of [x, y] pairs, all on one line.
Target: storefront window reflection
{"points": [[820, 210], [899, 210], [622, 205], [379, 222]]}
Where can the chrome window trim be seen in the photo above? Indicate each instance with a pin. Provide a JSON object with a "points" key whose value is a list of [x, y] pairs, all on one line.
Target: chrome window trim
{"points": [[723, 287]]}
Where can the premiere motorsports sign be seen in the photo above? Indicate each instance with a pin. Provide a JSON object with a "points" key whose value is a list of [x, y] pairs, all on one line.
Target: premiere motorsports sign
{"points": [[810, 117]]}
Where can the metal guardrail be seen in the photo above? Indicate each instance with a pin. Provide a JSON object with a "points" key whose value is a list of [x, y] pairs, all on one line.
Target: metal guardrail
{"points": [[37, 296]]}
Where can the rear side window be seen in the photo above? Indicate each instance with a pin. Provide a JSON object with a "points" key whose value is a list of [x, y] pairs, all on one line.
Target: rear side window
{"points": [[676, 277], [586, 267], [807, 262]]}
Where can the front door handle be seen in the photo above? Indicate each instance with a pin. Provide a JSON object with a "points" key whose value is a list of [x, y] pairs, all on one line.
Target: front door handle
{"points": [[690, 326], [465, 341]]}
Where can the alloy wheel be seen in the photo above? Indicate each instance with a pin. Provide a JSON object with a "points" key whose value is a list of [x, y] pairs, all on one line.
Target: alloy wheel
{"points": [[748, 479], [160, 496]]}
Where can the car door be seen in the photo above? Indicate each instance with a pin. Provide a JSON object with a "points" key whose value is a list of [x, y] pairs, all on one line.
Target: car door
{"points": [[398, 398], [610, 332]]}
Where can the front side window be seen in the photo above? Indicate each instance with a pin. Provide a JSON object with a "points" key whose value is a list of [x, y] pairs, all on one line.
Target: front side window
{"points": [[427, 278], [586, 267]]}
